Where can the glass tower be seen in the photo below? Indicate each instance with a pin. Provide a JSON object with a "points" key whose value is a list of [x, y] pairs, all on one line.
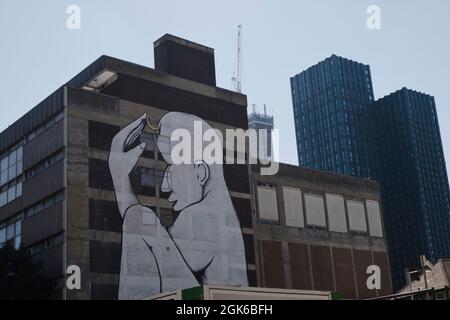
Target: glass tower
{"points": [[395, 140], [411, 169], [330, 100], [262, 121]]}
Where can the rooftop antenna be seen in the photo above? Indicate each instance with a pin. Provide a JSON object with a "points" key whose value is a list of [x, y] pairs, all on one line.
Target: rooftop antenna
{"points": [[237, 76]]}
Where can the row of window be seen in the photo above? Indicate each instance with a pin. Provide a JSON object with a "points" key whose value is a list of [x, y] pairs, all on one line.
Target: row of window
{"points": [[45, 204], [11, 165], [46, 244], [10, 232], [312, 210], [45, 164], [13, 189], [38, 131], [11, 192]]}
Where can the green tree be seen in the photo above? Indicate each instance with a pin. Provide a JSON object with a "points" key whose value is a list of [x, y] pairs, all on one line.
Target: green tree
{"points": [[20, 277]]}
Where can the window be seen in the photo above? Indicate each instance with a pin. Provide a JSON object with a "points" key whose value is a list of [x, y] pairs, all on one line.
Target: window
{"points": [[45, 164], [11, 232], [59, 117], [45, 126], [19, 160], [336, 213], [2, 235], [315, 210], [11, 165], [48, 203], [293, 207], [46, 244], [4, 171], [356, 216], [31, 173], [374, 215], [148, 178], [31, 136], [59, 197], [267, 204], [149, 139], [10, 192], [45, 204]]}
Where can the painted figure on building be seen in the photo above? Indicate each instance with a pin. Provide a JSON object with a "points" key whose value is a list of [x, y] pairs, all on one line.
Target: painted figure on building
{"points": [[204, 245]]}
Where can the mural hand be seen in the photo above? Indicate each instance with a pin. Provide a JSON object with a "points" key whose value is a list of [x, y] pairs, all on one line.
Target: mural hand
{"points": [[122, 159]]}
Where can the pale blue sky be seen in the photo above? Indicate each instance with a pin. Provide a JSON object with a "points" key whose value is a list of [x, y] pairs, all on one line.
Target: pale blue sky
{"points": [[281, 38]]}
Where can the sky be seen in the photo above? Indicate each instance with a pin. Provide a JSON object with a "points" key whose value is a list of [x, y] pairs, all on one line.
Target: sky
{"points": [[38, 53]]}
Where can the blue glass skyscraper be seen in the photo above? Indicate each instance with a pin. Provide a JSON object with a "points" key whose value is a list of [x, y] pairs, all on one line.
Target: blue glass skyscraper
{"points": [[395, 140], [410, 167], [329, 101]]}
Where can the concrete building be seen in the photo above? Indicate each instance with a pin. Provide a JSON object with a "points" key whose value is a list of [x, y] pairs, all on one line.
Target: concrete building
{"points": [[318, 231], [90, 182], [431, 282], [436, 276]]}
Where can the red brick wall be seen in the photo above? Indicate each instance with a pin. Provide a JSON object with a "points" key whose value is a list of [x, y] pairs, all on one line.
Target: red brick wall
{"points": [[300, 270], [381, 260], [343, 269], [321, 267], [272, 261], [363, 259]]}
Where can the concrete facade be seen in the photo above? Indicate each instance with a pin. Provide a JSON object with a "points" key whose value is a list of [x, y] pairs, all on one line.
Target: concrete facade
{"points": [[312, 257], [65, 209]]}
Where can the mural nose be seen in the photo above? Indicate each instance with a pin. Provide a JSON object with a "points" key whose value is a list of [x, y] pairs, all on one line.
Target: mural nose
{"points": [[165, 185]]}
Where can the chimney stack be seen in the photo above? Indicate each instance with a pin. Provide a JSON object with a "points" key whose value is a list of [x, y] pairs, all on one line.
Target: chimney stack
{"points": [[185, 59]]}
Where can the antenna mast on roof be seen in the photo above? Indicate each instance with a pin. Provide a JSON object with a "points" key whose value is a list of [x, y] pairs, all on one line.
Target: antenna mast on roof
{"points": [[237, 77]]}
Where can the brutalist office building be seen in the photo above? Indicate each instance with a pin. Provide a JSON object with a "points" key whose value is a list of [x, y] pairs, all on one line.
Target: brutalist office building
{"points": [[87, 180]]}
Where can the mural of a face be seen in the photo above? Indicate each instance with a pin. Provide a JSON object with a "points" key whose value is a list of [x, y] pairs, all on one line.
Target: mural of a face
{"points": [[204, 245], [185, 183]]}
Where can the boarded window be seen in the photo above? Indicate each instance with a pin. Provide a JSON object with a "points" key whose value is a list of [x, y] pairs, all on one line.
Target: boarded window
{"points": [[315, 210], [356, 216], [293, 207], [336, 213], [374, 216], [267, 204]]}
